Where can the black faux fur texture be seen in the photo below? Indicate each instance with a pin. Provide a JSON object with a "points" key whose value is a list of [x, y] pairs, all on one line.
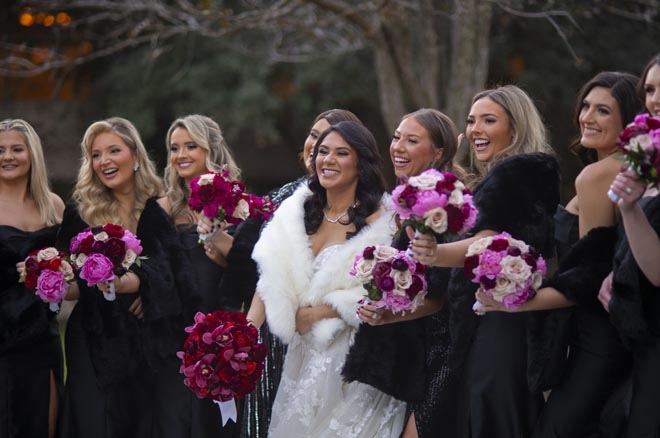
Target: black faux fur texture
{"points": [[635, 305], [518, 196]]}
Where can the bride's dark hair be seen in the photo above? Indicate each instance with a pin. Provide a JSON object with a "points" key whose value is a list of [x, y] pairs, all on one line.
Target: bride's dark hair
{"points": [[370, 187]]}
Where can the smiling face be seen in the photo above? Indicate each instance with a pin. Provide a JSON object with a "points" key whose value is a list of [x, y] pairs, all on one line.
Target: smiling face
{"points": [[14, 156], [652, 90], [310, 141], [600, 121], [112, 162], [337, 164], [186, 156], [411, 150], [488, 129]]}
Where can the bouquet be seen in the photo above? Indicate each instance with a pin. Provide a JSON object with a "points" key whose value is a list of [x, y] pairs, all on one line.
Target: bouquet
{"points": [[223, 200], [48, 271], [221, 358], [435, 201], [640, 143], [101, 253], [392, 279], [506, 269]]}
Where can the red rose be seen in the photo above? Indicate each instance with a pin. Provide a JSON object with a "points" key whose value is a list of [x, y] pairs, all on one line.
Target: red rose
{"points": [[55, 264], [241, 340], [206, 193], [259, 352], [380, 270], [113, 230], [513, 251], [454, 218], [415, 287], [86, 245], [31, 264], [368, 252], [115, 249], [249, 368], [31, 280], [499, 245], [470, 263]]}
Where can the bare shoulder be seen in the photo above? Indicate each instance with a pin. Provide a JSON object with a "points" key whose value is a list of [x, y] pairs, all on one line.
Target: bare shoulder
{"points": [[600, 172], [164, 203], [57, 203]]}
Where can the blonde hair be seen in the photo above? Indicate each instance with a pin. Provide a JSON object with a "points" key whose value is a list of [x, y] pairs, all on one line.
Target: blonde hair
{"points": [[529, 133], [206, 134], [38, 187], [95, 201]]}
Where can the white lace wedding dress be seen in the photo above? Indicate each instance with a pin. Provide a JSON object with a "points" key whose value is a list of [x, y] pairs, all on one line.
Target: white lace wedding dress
{"points": [[313, 401]]}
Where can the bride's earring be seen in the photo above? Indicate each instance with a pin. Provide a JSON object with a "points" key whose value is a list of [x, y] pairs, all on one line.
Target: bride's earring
{"points": [[136, 166]]}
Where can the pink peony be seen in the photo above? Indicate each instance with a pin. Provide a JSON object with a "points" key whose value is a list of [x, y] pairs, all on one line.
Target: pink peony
{"points": [[51, 286], [97, 268], [132, 242]]}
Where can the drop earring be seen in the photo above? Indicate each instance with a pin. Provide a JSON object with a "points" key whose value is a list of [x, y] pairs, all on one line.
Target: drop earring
{"points": [[136, 166]]}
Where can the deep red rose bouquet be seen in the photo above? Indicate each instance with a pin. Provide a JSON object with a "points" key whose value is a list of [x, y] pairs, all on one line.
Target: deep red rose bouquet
{"points": [[392, 279], [435, 202], [224, 200], [640, 143], [48, 272], [506, 269], [222, 358], [101, 253]]}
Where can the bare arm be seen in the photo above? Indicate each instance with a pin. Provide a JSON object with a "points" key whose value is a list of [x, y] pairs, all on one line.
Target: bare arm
{"points": [[591, 185], [446, 255], [546, 298], [375, 316], [257, 313], [307, 316]]}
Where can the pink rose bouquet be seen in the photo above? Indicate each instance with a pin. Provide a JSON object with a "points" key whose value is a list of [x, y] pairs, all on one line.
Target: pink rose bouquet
{"points": [[640, 143], [506, 269], [48, 272], [101, 253], [435, 201], [223, 200], [392, 279], [222, 358]]}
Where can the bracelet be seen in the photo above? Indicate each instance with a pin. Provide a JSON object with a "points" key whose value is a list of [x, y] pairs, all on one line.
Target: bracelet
{"points": [[249, 321]]}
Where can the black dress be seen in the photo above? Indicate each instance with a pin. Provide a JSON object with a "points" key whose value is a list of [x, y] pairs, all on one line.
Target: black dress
{"points": [[30, 346], [587, 400], [635, 312], [519, 195], [121, 371], [409, 360]]}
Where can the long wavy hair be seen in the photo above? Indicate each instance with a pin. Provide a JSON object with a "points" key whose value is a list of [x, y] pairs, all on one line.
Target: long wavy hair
{"points": [[37, 186], [529, 133], [443, 135], [641, 89], [370, 186], [206, 133], [96, 203], [623, 87]]}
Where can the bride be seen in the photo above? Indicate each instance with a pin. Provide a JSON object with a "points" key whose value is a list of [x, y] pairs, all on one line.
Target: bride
{"points": [[305, 290]]}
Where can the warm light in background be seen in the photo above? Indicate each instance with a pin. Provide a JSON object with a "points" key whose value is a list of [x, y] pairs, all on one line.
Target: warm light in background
{"points": [[27, 18]]}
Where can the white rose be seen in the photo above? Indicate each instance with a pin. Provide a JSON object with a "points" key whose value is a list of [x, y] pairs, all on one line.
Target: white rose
{"points": [[524, 248], [641, 142], [503, 287], [80, 260], [479, 246], [101, 237], [456, 198], [66, 270], [399, 292], [515, 269], [205, 179], [363, 270], [384, 253], [436, 219], [47, 254], [424, 181], [402, 279], [459, 185], [242, 210], [129, 258], [537, 279]]}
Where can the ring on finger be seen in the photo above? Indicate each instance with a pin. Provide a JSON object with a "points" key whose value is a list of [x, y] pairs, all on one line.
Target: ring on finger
{"points": [[628, 190]]}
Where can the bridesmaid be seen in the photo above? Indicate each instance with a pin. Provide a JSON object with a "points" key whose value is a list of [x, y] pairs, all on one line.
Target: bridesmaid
{"points": [[195, 145], [631, 293], [597, 361], [424, 139], [30, 350], [116, 349], [517, 193]]}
